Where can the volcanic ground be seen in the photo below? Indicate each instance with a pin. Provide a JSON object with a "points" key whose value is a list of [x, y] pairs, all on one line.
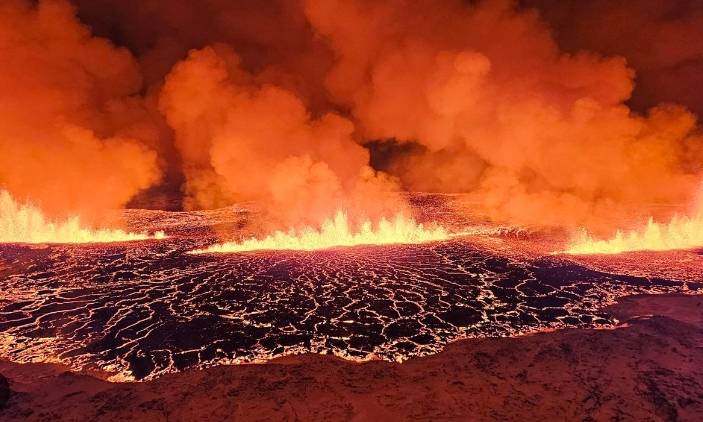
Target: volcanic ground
{"points": [[141, 309]]}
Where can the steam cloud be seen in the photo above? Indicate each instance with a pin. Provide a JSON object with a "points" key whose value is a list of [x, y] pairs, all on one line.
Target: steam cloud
{"points": [[72, 134], [279, 103], [242, 140], [661, 40], [543, 136]]}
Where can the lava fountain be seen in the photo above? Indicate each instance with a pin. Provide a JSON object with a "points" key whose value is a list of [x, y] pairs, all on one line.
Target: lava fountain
{"points": [[682, 232], [25, 223], [335, 232]]}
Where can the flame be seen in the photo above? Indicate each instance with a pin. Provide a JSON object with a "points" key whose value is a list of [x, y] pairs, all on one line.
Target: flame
{"points": [[337, 232], [682, 232], [24, 223]]}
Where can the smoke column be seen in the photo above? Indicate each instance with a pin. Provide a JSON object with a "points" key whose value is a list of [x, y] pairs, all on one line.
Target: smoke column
{"points": [[540, 135], [72, 139], [288, 103]]}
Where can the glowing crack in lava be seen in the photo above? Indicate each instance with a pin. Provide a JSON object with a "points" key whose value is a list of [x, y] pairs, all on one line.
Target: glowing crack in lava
{"points": [[338, 232], [24, 223], [682, 232]]}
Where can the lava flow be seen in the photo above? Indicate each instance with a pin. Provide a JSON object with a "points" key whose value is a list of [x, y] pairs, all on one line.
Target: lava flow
{"points": [[24, 223], [338, 232]]}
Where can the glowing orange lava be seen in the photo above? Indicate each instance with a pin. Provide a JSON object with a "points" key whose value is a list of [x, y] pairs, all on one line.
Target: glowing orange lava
{"points": [[681, 232], [338, 232], [24, 223]]}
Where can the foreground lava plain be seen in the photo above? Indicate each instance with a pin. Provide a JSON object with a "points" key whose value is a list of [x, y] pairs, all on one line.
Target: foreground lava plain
{"points": [[645, 369]]}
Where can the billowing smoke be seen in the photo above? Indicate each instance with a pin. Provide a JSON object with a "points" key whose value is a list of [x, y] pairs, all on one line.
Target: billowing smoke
{"points": [[72, 139], [243, 140], [272, 38], [288, 102], [541, 136], [660, 39]]}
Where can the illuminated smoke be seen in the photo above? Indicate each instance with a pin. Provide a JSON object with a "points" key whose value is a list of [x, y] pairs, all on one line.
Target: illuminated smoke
{"points": [[241, 140], [540, 136], [63, 93], [279, 102], [654, 36]]}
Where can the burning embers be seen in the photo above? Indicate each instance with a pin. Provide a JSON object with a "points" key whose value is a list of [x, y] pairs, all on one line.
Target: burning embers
{"points": [[24, 223], [338, 232]]}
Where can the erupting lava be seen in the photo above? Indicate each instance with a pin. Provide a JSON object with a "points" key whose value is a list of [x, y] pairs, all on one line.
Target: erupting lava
{"points": [[681, 232], [23, 223], [338, 232]]}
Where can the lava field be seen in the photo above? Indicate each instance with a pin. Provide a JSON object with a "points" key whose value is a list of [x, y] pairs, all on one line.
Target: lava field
{"points": [[137, 310]]}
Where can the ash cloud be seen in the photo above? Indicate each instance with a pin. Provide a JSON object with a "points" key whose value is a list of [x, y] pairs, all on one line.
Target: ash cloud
{"points": [[546, 113]]}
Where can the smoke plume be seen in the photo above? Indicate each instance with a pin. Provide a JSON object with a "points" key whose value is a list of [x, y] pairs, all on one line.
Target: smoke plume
{"points": [[72, 139], [543, 137], [243, 140], [660, 39], [544, 117]]}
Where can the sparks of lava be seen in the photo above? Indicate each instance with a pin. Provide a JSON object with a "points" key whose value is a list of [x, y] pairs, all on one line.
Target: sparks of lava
{"points": [[23, 223], [338, 232], [681, 232]]}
